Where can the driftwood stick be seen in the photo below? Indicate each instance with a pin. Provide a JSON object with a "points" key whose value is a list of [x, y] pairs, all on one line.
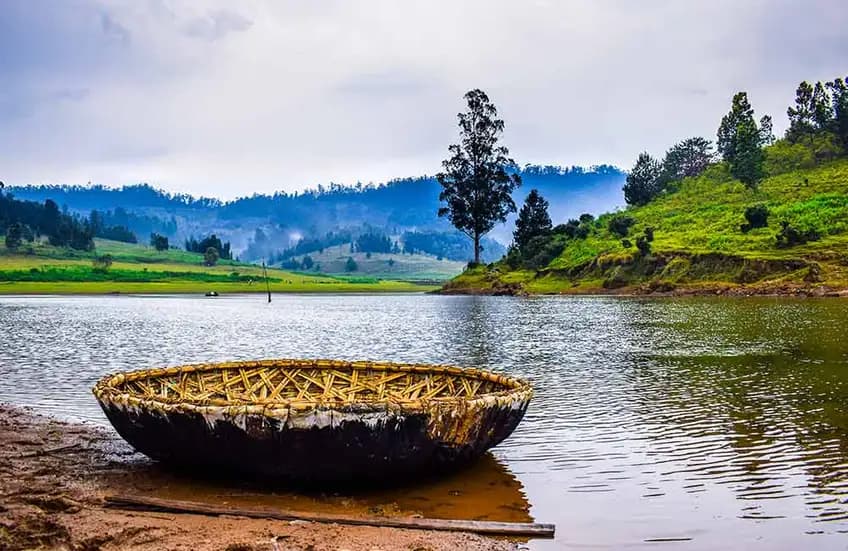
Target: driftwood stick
{"points": [[49, 451], [477, 526]]}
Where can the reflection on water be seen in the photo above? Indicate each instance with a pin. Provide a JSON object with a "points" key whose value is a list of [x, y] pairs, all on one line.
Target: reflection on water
{"points": [[489, 491], [706, 421]]}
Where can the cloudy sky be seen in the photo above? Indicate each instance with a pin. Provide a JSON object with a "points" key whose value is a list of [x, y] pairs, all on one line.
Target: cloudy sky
{"points": [[231, 98]]}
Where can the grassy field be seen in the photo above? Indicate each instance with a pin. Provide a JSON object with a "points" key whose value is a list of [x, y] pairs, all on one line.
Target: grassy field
{"points": [[408, 267], [698, 240], [42, 269]]}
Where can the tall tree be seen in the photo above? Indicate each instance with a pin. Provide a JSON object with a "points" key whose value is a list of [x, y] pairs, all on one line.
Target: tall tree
{"points": [[822, 112], [740, 140], [159, 242], [533, 219], [747, 165], [812, 112], [740, 111], [475, 183], [643, 181], [687, 158], [839, 100]]}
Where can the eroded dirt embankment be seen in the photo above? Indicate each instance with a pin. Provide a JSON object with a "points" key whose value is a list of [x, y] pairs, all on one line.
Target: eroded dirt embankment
{"points": [[54, 475]]}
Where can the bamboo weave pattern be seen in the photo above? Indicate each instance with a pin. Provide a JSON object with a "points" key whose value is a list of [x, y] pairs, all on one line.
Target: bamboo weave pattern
{"points": [[320, 381]]}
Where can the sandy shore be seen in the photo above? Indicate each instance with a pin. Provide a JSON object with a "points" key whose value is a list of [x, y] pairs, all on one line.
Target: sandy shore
{"points": [[54, 475]]}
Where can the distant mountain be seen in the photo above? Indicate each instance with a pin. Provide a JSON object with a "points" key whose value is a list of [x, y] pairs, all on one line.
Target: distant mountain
{"points": [[392, 208]]}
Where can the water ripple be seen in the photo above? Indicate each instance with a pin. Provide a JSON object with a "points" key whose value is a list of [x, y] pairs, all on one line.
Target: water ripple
{"points": [[727, 419]]}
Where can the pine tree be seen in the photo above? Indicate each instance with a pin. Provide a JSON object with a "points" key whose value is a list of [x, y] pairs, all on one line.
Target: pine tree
{"points": [[812, 112], [740, 111], [687, 158], [643, 182], [839, 102], [475, 183], [747, 166], [740, 140], [533, 219]]}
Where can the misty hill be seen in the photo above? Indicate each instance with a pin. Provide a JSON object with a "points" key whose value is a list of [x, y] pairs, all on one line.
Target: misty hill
{"points": [[394, 208]]}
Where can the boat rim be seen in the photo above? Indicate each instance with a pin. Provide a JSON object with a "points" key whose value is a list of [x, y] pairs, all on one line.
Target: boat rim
{"points": [[515, 390]]}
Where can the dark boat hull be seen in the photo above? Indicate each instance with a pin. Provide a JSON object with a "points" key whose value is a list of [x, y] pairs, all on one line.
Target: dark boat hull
{"points": [[398, 448], [341, 422]]}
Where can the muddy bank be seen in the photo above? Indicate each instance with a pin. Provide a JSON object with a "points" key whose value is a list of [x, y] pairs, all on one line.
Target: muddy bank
{"points": [[664, 274], [54, 476]]}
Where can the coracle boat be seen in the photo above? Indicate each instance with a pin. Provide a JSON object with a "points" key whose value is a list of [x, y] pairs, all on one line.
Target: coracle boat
{"points": [[314, 421]]}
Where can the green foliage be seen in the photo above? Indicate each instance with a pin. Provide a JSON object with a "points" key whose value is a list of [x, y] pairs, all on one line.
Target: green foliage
{"points": [[756, 216], [115, 232], [533, 220], [644, 245], [620, 225], [643, 182], [351, 265], [785, 156], [213, 242], [541, 250], [452, 245], [14, 236], [789, 236], [740, 141], [476, 186], [838, 89], [373, 242], [102, 263], [749, 159], [211, 256], [812, 112], [703, 216], [159, 242], [308, 263], [686, 159]]}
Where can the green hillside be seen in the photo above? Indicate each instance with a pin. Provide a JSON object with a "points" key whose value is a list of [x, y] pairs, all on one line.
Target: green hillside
{"points": [[39, 268], [698, 241], [407, 267]]}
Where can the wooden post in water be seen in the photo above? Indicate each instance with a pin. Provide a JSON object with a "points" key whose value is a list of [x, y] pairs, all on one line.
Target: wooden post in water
{"points": [[267, 283]]}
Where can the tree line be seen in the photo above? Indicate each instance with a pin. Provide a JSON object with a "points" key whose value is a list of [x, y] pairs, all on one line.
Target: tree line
{"points": [[23, 221], [818, 120], [211, 247]]}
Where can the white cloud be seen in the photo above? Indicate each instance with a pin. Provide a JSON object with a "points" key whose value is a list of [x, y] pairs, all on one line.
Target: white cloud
{"points": [[259, 96]]}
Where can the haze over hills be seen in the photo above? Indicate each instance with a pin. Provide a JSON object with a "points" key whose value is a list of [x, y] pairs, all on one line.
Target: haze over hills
{"points": [[268, 225]]}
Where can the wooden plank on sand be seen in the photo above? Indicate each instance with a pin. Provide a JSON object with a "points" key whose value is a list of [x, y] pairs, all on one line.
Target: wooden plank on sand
{"points": [[528, 529]]}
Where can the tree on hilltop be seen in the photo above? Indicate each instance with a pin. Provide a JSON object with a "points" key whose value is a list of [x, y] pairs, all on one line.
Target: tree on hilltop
{"points": [[643, 182], [533, 219], [740, 140], [476, 186], [811, 113], [686, 159]]}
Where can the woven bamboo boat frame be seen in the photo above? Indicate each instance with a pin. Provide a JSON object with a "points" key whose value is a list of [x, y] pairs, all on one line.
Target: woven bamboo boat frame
{"points": [[298, 385]]}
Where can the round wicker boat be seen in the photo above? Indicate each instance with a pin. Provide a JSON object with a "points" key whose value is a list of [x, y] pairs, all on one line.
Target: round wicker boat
{"points": [[314, 420]]}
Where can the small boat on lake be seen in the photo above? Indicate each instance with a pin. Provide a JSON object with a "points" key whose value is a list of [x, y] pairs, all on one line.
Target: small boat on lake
{"points": [[314, 421]]}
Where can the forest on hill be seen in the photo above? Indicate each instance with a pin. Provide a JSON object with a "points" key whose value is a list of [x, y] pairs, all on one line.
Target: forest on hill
{"points": [[281, 226], [748, 214]]}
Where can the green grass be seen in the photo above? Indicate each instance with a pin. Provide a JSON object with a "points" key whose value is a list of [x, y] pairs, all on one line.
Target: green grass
{"points": [[408, 267], [698, 240], [140, 269]]}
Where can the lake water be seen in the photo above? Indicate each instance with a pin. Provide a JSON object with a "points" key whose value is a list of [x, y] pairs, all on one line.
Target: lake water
{"points": [[692, 423]]}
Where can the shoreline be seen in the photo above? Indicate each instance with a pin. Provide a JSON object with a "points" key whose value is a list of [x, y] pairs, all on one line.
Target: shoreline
{"points": [[644, 291], [97, 288], [55, 474]]}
